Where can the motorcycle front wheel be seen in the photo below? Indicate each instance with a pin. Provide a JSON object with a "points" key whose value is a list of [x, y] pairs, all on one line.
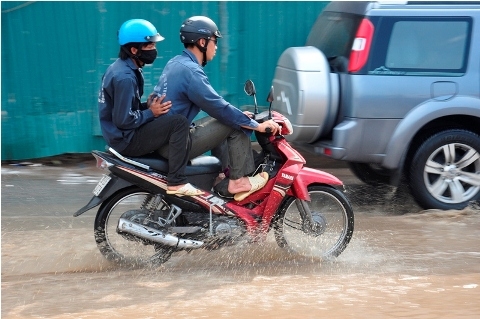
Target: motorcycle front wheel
{"points": [[124, 248], [332, 227]]}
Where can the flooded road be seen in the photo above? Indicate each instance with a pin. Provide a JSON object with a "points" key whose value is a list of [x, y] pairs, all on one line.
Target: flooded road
{"points": [[401, 263]]}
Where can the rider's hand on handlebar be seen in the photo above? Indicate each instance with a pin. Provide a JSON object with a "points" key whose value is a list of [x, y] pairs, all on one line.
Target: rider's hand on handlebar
{"points": [[269, 125], [157, 105]]}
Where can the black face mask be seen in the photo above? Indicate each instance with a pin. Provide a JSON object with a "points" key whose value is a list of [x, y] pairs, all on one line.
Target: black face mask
{"points": [[148, 56]]}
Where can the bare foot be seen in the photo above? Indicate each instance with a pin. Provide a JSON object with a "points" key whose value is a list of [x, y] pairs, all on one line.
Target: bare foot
{"points": [[256, 182], [239, 185], [247, 184]]}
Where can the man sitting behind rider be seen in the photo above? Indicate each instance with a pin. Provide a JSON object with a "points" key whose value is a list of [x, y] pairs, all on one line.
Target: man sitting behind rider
{"points": [[184, 82], [133, 128]]}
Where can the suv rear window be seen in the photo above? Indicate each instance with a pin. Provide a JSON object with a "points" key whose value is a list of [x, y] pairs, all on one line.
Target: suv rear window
{"points": [[333, 33], [420, 46]]}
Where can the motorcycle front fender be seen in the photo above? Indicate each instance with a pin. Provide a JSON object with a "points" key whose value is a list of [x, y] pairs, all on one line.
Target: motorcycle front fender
{"points": [[309, 176], [113, 186]]}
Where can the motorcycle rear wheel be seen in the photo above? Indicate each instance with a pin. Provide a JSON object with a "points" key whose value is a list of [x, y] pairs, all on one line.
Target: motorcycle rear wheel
{"points": [[333, 224], [127, 249]]}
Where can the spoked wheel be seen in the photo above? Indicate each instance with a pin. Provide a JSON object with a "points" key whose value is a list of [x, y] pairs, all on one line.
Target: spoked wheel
{"points": [[124, 248], [332, 226], [445, 171]]}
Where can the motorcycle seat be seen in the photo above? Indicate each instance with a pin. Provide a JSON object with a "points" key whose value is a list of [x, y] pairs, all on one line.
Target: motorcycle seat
{"points": [[197, 166]]}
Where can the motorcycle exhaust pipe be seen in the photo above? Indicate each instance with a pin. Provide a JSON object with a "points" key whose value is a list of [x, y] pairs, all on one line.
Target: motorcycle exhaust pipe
{"points": [[155, 235]]}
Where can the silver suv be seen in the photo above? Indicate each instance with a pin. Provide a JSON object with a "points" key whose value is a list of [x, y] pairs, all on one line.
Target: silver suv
{"points": [[394, 90]]}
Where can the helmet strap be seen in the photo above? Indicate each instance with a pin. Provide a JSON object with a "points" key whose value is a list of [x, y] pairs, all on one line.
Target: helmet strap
{"points": [[204, 62], [203, 50]]}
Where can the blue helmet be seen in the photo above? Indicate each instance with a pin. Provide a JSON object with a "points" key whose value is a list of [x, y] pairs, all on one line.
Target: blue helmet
{"points": [[138, 30]]}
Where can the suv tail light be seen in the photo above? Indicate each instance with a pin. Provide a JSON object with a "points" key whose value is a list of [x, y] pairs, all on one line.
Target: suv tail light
{"points": [[361, 46]]}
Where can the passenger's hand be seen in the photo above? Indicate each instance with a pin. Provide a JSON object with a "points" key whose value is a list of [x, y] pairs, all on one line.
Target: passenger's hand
{"points": [[270, 124], [249, 114], [150, 98], [159, 107]]}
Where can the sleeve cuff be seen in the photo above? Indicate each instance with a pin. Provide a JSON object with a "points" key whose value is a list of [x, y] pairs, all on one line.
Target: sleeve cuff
{"points": [[148, 114]]}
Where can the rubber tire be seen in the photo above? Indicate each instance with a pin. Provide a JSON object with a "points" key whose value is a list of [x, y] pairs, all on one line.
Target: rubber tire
{"points": [[416, 183], [340, 245], [164, 253]]}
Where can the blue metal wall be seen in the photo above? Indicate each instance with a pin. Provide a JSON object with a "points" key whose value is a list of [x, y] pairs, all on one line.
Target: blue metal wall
{"points": [[55, 53]]}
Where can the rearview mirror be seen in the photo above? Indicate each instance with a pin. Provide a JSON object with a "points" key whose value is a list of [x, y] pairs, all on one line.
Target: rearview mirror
{"points": [[270, 95], [249, 88]]}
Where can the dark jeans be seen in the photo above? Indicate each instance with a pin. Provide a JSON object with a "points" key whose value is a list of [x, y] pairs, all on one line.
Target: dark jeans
{"points": [[210, 134], [172, 131]]}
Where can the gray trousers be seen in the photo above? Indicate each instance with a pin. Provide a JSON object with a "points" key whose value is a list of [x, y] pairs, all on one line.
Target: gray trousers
{"points": [[232, 147]]}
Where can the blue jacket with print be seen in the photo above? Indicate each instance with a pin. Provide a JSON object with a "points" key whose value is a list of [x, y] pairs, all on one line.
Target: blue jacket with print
{"points": [[119, 103], [184, 82]]}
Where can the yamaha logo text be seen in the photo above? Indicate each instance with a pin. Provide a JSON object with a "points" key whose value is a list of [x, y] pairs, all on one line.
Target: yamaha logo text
{"points": [[289, 177]]}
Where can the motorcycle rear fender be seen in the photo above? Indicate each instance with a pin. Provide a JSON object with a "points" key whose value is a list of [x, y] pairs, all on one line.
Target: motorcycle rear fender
{"points": [[309, 176], [113, 186]]}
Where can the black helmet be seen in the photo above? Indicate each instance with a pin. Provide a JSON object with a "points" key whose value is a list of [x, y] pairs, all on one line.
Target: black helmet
{"points": [[198, 27]]}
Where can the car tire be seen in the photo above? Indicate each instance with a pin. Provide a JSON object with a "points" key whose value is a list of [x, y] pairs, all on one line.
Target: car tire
{"points": [[445, 170], [370, 174]]}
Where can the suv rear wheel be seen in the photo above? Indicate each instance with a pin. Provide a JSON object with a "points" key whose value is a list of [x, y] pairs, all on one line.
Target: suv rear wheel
{"points": [[445, 171]]}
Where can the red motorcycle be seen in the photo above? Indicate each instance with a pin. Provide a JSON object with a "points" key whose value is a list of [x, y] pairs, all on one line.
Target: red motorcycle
{"points": [[137, 222]]}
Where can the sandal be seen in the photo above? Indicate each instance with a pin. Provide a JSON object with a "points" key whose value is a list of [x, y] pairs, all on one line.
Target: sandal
{"points": [[185, 190], [257, 182]]}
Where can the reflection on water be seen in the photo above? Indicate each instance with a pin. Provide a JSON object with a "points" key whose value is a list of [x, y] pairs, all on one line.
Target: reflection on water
{"points": [[424, 265], [401, 263]]}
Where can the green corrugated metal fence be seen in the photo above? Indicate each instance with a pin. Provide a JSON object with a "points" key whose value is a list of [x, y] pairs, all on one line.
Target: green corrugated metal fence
{"points": [[55, 53]]}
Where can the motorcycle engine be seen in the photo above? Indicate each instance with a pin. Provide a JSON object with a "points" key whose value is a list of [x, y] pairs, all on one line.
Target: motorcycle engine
{"points": [[223, 230], [226, 227], [226, 231]]}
